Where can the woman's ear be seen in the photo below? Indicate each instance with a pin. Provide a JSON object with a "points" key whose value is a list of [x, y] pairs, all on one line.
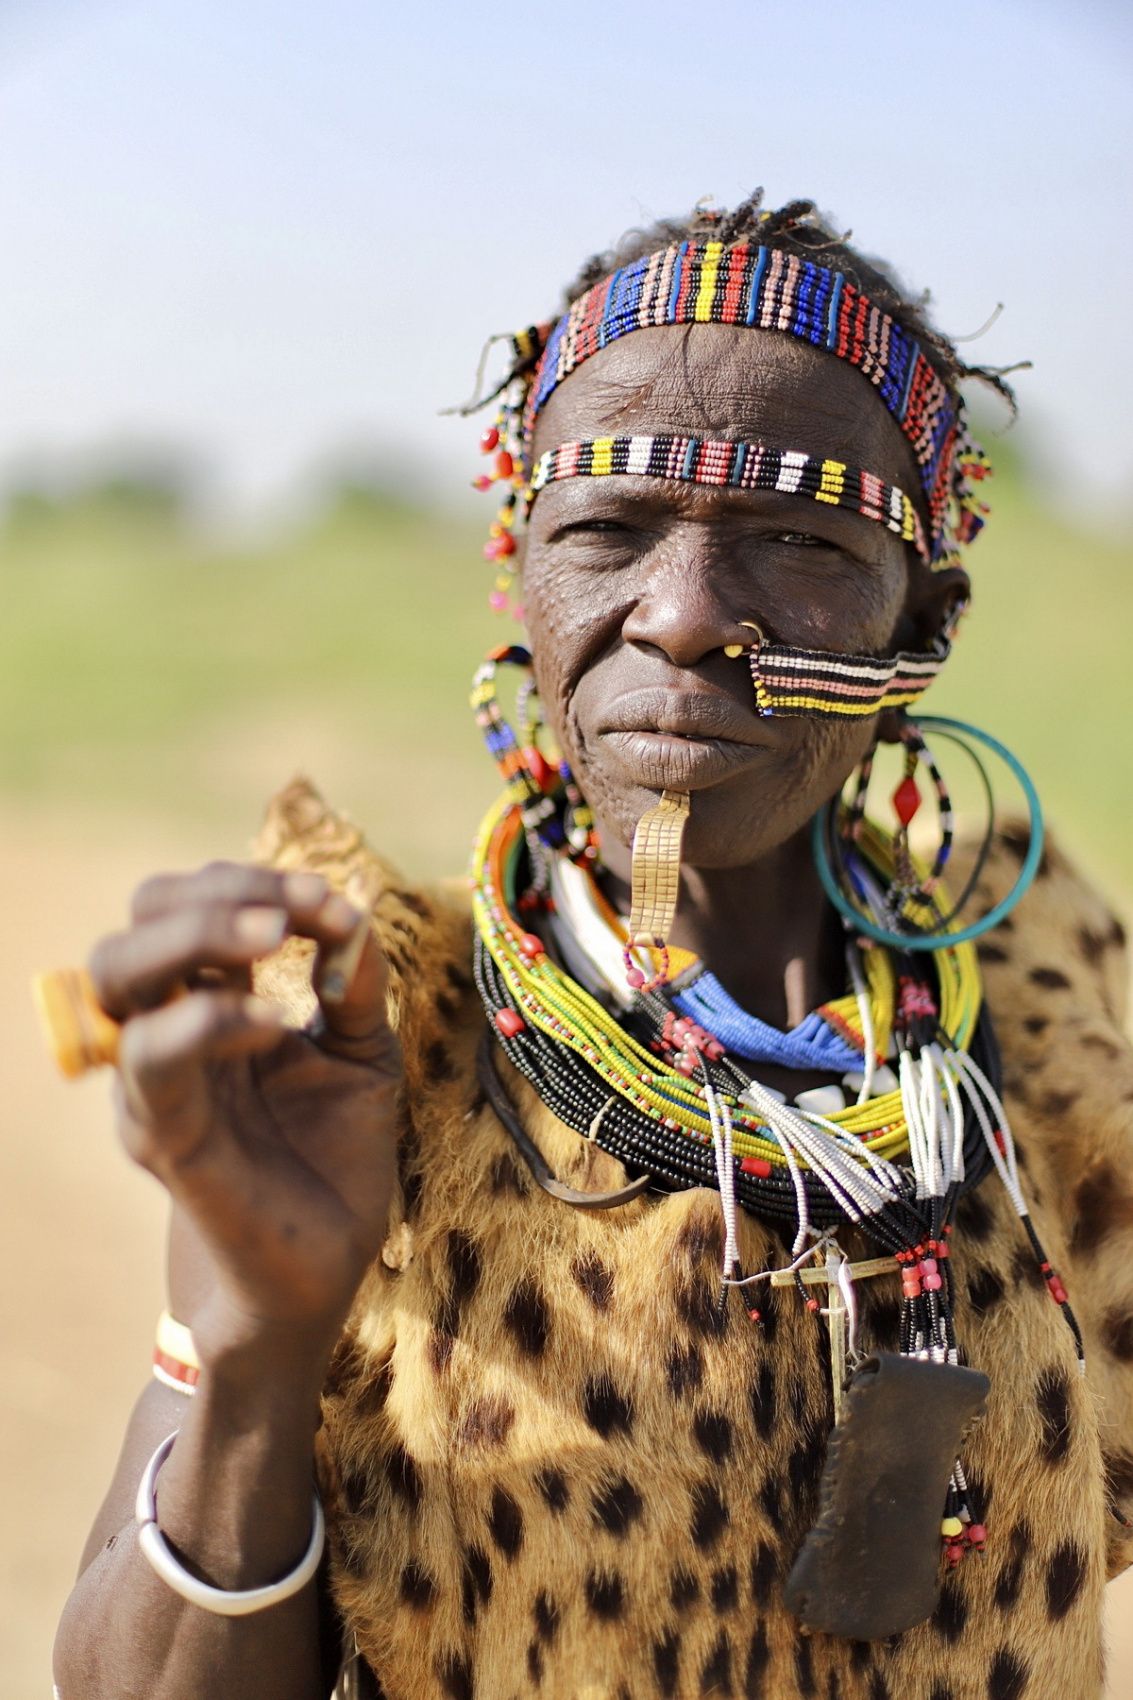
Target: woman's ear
{"points": [[930, 603], [932, 600]]}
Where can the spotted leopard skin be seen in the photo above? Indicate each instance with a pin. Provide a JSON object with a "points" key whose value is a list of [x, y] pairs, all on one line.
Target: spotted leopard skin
{"points": [[552, 1468]]}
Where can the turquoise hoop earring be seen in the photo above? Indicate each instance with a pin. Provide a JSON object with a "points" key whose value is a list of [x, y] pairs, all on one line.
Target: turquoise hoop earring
{"points": [[935, 941]]}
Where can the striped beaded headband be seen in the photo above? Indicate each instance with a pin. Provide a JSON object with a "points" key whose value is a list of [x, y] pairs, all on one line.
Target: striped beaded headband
{"points": [[766, 289], [741, 466]]}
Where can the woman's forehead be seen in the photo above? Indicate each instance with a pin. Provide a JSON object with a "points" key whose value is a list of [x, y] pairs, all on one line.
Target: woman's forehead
{"points": [[728, 381]]}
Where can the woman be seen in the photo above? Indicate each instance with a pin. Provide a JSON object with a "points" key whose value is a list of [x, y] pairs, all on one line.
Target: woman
{"points": [[516, 1298]]}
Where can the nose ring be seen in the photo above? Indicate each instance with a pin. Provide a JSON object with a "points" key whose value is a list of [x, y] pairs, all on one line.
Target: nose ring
{"points": [[732, 650]]}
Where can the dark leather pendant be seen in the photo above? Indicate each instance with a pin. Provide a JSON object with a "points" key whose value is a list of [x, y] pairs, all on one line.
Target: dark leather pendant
{"points": [[871, 1566]]}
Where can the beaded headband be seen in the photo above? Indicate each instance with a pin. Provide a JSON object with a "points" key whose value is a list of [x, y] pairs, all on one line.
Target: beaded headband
{"points": [[761, 288], [765, 289], [740, 466]]}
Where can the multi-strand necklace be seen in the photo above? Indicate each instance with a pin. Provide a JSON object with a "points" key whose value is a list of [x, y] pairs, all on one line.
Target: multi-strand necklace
{"points": [[643, 1075], [646, 1079], [661, 1069]]}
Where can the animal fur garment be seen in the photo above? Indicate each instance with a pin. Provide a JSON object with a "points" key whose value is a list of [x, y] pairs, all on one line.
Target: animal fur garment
{"points": [[551, 1468]]}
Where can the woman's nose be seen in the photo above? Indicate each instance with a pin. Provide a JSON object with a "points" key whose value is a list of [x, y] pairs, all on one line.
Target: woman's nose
{"points": [[681, 611]]}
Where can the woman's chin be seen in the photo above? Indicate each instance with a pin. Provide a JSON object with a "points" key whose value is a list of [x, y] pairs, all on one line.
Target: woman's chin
{"points": [[732, 822]]}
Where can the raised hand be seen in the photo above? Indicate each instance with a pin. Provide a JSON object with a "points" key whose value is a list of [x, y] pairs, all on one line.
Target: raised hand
{"points": [[276, 1144]]}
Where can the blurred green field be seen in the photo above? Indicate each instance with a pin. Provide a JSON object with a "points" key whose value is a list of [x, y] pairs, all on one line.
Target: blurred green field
{"points": [[145, 666]]}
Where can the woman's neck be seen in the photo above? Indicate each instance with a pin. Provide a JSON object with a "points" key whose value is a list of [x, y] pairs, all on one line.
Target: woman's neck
{"points": [[765, 930]]}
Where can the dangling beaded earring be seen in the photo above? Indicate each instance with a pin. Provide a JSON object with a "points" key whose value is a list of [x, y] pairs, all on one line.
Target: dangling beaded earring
{"points": [[503, 441], [907, 892], [906, 917], [554, 812], [501, 544], [525, 770]]}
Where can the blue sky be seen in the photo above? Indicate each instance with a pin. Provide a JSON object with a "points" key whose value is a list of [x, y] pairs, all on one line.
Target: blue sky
{"points": [[270, 233]]}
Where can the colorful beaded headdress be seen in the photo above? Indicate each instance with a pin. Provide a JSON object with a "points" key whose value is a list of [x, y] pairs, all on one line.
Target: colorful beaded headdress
{"points": [[766, 289], [762, 288]]}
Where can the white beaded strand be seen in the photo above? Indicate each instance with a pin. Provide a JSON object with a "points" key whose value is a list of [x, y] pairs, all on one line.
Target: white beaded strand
{"points": [[720, 1118], [865, 1016], [981, 1093]]}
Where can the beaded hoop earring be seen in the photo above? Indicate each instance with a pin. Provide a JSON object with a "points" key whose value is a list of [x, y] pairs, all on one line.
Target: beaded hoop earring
{"points": [[932, 939]]}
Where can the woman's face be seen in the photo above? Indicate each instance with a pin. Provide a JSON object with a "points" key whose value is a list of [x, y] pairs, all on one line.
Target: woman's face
{"points": [[634, 585]]}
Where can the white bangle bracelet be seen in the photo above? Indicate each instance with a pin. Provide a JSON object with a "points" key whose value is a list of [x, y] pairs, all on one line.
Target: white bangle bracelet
{"points": [[222, 1601]]}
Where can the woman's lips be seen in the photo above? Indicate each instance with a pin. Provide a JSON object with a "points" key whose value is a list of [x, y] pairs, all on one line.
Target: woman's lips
{"points": [[702, 714], [680, 738], [668, 760]]}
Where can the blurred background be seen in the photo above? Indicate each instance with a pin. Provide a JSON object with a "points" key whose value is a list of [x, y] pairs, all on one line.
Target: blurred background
{"points": [[246, 257]]}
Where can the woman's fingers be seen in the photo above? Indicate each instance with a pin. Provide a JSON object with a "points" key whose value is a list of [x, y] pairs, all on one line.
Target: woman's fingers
{"points": [[229, 884], [161, 1053], [201, 933], [208, 928], [138, 969], [350, 984], [239, 979]]}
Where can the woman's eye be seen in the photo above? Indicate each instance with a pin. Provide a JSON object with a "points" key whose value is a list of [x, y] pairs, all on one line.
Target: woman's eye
{"points": [[802, 539], [587, 530]]}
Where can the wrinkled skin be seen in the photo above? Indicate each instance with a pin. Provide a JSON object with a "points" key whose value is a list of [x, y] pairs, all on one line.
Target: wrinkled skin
{"points": [[634, 584]]}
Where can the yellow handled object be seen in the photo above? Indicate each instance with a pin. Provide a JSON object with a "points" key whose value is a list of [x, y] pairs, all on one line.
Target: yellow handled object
{"points": [[80, 1035]]}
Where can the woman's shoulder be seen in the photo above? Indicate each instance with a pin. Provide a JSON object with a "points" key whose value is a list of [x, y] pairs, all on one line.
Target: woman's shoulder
{"points": [[1060, 956], [1055, 978]]}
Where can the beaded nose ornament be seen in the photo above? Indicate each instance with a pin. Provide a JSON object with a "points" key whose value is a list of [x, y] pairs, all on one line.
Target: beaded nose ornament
{"points": [[791, 682]]}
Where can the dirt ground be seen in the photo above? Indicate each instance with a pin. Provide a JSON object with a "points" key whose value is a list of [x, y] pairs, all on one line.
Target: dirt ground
{"points": [[82, 1240]]}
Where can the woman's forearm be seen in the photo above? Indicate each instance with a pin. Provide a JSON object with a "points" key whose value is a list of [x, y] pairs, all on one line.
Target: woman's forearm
{"points": [[278, 1148], [234, 1502]]}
